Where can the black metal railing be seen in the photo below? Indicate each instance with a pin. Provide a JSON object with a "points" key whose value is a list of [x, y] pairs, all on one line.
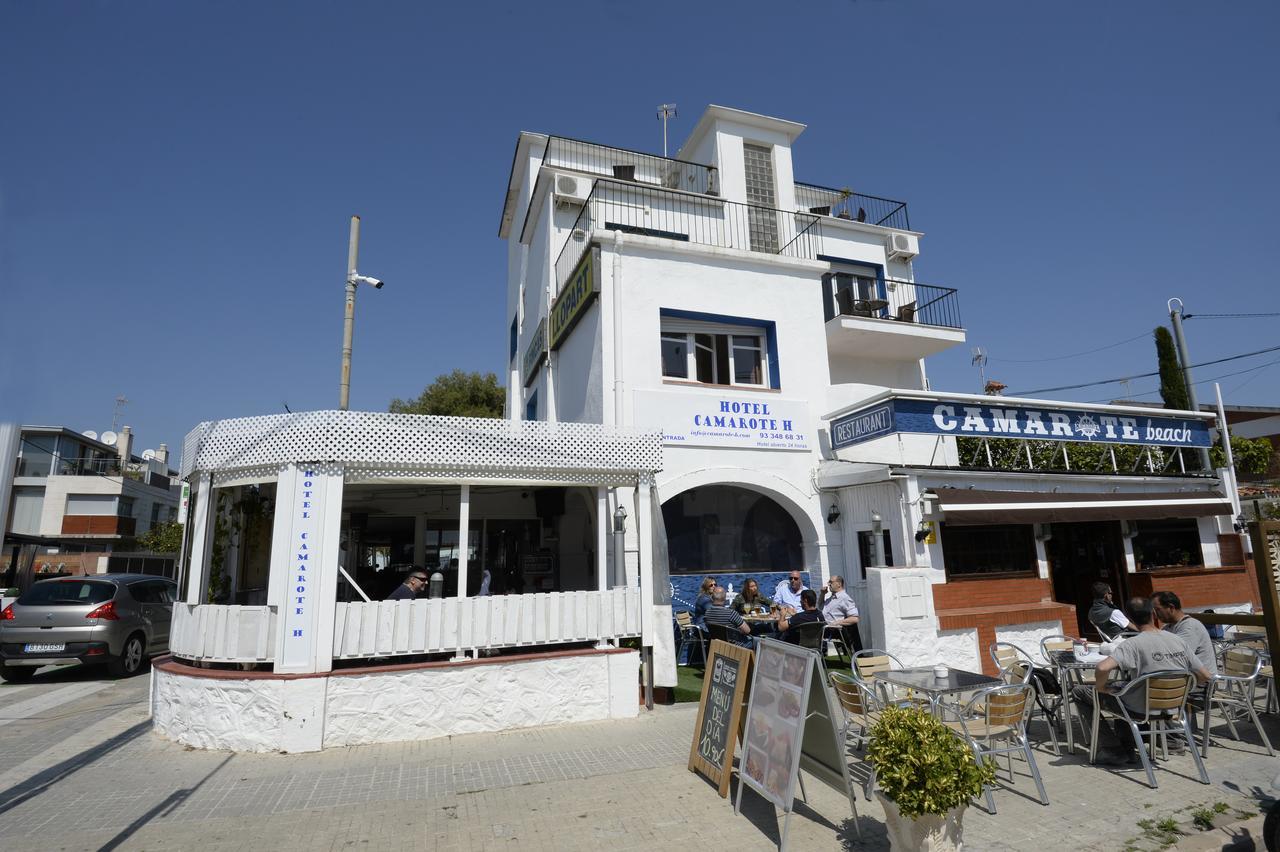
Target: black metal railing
{"points": [[634, 209], [846, 204], [898, 301], [625, 164]]}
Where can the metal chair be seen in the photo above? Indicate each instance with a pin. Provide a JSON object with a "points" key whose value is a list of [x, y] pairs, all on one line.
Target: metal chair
{"points": [[809, 635], [1005, 654], [1233, 692], [994, 722], [835, 635], [861, 709], [1164, 703], [690, 635], [1051, 644], [1017, 667]]}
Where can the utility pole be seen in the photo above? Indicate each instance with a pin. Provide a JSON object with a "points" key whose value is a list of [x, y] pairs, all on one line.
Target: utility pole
{"points": [[1175, 315], [665, 111], [349, 318]]}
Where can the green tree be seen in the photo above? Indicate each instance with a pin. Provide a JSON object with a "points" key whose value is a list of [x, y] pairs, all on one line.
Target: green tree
{"points": [[167, 538], [1251, 455], [456, 394], [1173, 388]]}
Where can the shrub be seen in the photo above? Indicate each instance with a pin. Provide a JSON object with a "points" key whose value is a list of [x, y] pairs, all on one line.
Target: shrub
{"points": [[922, 765]]}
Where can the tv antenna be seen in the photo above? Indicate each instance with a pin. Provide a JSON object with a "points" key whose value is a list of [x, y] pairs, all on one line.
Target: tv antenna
{"points": [[980, 361], [115, 412], [665, 111]]}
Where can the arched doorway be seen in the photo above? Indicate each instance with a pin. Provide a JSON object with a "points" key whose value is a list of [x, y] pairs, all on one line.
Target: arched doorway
{"points": [[729, 530]]}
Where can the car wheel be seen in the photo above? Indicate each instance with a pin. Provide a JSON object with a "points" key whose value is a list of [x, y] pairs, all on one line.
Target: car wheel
{"points": [[17, 674], [131, 658]]}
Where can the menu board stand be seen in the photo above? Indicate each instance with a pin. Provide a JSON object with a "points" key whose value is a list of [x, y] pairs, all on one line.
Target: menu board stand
{"points": [[791, 725], [724, 688]]}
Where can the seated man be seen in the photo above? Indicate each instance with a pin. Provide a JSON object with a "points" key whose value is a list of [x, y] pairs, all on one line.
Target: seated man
{"points": [[1152, 650], [788, 591], [1105, 615], [1169, 614], [718, 613], [839, 610], [809, 614], [411, 587]]}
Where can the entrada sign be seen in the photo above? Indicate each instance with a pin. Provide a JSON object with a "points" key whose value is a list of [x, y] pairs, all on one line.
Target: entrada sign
{"points": [[945, 417], [577, 295]]}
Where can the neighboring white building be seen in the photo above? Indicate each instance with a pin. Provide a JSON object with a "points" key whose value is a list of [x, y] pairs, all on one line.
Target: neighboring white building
{"points": [[715, 297], [76, 504]]}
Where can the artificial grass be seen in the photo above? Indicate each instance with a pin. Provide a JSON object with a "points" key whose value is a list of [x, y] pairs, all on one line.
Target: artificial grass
{"points": [[689, 679]]}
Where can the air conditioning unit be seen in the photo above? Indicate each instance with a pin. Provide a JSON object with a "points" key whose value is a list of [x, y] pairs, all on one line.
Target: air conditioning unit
{"points": [[569, 189], [903, 246]]}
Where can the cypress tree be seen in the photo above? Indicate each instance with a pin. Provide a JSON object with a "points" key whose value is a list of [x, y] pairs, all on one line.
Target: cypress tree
{"points": [[1173, 389]]}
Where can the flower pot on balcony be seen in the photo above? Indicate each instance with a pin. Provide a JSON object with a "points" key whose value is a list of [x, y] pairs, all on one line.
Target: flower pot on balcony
{"points": [[624, 172]]}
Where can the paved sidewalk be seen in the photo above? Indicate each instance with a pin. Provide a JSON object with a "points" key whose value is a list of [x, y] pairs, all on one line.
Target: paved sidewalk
{"points": [[102, 780]]}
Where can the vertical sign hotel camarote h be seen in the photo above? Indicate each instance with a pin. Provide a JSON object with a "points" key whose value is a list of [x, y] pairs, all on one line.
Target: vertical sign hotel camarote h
{"points": [[943, 417], [299, 615]]}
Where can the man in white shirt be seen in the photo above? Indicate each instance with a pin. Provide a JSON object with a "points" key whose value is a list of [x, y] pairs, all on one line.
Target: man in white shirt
{"points": [[788, 591], [1109, 620], [839, 610]]}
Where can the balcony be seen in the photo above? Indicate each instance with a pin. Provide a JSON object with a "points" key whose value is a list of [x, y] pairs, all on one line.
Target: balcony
{"points": [[623, 164], [708, 220], [905, 320], [98, 525], [854, 206]]}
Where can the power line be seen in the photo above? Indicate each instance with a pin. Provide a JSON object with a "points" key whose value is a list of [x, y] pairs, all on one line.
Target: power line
{"points": [[1229, 316], [1211, 379], [1072, 355], [1145, 375]]}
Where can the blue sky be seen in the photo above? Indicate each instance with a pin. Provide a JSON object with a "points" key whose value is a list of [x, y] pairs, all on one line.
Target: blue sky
{"points": [[176, 179]]}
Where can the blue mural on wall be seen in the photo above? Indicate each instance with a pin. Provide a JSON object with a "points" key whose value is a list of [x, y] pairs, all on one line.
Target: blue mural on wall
{"points": [[684, 587]]}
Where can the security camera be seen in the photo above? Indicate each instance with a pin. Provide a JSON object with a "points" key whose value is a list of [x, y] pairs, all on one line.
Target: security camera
{"points": [[365, 279]]}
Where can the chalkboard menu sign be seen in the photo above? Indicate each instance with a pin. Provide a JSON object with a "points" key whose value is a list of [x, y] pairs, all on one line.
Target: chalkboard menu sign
{"points": [[715, 735]]}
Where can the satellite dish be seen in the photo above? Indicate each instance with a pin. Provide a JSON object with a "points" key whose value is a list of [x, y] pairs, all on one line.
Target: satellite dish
{"points": [[148, 455], [90, 434], [109, 438]]}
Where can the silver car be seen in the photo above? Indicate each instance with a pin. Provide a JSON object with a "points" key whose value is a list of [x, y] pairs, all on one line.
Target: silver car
{"points": [[117, 619]]}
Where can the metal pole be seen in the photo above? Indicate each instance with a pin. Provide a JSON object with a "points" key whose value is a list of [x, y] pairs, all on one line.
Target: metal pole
{"points": [[1175, 314], [349, 318]]}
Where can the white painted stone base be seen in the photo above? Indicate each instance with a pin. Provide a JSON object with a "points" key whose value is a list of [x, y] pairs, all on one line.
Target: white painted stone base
{"points": [[307, 714], [1028, 636]]}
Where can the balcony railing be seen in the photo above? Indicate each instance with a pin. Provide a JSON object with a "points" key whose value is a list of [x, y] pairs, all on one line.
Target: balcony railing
{"points": [[635, 166], [901, 301], [685, 217], [855, 206]]}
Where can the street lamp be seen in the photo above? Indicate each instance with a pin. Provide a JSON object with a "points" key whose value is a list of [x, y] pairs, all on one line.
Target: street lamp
{"points": [[619, 546], [354, 279]]}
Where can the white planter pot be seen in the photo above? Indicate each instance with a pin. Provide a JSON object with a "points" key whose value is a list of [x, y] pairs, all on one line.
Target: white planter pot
{"points": [[926, 833]]}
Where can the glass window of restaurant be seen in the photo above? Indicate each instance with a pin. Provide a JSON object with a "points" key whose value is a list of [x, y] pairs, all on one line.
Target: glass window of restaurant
{"points": [[1168, 542], [988, 550], [729, 529]]}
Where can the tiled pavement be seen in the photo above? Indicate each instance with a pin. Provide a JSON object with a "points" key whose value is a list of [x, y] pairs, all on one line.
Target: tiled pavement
{"points": [[91, 775]]}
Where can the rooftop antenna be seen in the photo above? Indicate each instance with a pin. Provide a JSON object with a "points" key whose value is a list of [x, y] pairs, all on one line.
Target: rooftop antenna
{"points": [[980, 361], [115, 412], [665, 111]]}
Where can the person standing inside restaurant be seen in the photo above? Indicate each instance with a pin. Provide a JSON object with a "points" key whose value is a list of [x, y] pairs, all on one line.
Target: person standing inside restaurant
{"points": [[788, 591], [808, 614], [703, 600], [719, 614], [750, 600], [411, 587], [839, 610], [1105, 615], [1152, 650]]}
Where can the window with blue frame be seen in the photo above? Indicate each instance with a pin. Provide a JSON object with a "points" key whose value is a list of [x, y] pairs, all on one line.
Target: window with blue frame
{"points": [[515, 339], [531, 407], [718, 350]]}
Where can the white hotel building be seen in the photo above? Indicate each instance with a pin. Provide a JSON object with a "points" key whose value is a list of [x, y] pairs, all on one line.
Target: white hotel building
{"points": [[774, 332]]}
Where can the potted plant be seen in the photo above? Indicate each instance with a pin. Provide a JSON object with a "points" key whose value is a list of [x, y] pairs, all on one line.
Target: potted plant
{"points": [[845, 194], [926, 776]]}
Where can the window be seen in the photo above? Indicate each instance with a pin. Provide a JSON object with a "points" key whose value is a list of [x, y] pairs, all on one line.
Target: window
{"points": [[36, 457], [27, 503], [67, 593], [866, 555], [762, 219], [155, 513], [714, 355], [987, 550], [531, 407], [125, 507], [91, 504], [515, 338], [1173, 541]]}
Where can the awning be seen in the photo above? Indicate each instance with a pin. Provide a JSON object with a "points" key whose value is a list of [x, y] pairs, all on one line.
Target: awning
{"points": [[970, 506]]}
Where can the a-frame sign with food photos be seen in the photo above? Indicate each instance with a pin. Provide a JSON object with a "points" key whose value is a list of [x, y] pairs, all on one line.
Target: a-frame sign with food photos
{"points": [[720, 713], [791, 725]]}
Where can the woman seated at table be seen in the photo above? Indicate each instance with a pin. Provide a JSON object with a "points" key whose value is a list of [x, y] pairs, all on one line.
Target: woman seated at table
{"points": [[749, 601], [703, 600]]}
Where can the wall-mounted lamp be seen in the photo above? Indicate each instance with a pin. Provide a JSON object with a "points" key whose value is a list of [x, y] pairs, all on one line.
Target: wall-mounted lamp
{"points": [[877, 523], [620, 520], [922, 531], [1241, 523], [833, 514]]}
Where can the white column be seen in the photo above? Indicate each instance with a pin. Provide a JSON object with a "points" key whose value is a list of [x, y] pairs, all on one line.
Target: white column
{"points": [[278, 567], [644, 546], [201, 540], [602, 537], [305, 561], [464, 523]]}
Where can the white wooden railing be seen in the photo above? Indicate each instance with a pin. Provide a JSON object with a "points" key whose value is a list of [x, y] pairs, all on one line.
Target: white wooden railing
{"points": [[387, 628], [223, 634]]}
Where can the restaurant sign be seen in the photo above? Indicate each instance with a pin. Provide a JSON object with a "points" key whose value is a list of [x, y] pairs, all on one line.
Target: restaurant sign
{"points": [[752, 420], [960, 417], [576, 296], [535, 354]]}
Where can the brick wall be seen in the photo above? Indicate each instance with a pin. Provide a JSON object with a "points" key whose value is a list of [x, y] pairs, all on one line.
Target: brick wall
{"points": [[985, 605], [1200, 587]]}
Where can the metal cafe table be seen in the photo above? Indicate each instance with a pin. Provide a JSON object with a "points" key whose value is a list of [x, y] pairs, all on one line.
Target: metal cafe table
{"points": [[1072, 672], [924, 680]]}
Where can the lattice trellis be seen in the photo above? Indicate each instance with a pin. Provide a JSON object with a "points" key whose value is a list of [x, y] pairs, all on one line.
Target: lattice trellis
{"points": [[401, 444]]}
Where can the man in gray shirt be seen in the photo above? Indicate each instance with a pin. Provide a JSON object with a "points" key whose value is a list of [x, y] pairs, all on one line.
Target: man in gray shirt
{"points": [[1169, 612]]}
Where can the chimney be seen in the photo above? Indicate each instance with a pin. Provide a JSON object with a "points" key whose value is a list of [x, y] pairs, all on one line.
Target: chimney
{"points": [[162, 454], [124, 445]]}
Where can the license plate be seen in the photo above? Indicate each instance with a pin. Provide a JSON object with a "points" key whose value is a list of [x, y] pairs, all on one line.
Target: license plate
{"points": [[43, 647]]}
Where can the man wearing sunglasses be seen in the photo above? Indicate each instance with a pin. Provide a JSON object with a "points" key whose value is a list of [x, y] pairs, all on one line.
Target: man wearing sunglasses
{"points": [[411, 587], [788, 592]]}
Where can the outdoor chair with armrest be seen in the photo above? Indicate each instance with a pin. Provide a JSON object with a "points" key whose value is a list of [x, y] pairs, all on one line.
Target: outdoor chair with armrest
{"points": [[869, 661], [1232, 692], [994, 722], [1050, 645], [835, 635], [690, 635], [861, 709], [1017, 666], [1164, 712], [723, 633], [809, 635]]}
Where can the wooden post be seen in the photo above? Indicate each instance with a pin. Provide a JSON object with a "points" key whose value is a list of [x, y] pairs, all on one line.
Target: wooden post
{"points": [[1266, 561]]}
